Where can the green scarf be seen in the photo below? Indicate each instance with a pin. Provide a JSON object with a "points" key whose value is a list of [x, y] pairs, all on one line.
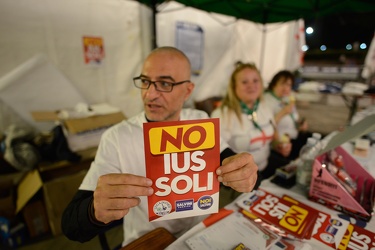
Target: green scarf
{"points": [[251, 113]]}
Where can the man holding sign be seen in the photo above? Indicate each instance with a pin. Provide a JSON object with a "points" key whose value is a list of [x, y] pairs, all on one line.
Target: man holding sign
{"points": [[116, 186]]}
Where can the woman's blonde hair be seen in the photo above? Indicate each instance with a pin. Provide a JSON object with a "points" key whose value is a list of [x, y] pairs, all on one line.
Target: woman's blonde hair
{"points": [[231, 100]]}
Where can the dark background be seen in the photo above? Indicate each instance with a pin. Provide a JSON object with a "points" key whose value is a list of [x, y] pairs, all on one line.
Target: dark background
{"points": [[336, 31]]}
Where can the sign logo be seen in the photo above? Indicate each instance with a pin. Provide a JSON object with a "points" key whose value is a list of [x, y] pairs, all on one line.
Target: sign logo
{"points": [[205, 202], [184, 205], [182, 138], [162, 208], [294, 218]]}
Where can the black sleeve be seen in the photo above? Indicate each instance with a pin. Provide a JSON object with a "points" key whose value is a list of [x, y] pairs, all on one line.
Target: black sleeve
{"points": [[226, 153], [229, 152], [259, 180], [76, 223]]}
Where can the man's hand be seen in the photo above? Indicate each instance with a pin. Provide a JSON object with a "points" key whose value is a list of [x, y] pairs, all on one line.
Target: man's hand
{"points": [[238, 172], [115, 194]]}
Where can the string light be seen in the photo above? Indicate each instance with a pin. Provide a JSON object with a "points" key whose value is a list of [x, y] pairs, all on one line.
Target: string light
{"points": [[363, 46], [309, 30]]}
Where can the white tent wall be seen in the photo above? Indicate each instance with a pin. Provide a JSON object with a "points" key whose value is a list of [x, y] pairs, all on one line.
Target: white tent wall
{"points": [[218, 45], [281, 50], [294, 43], [227, 41], [56, 30], [369, 67]]}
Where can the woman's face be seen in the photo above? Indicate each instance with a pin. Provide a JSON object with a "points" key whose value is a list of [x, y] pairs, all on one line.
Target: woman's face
{"points": [[248, 85], [283, 87]]}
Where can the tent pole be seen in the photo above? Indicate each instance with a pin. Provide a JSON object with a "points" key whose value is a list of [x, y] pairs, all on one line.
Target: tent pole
{"points": [[264, 33], [263, 47], [153, 6]]}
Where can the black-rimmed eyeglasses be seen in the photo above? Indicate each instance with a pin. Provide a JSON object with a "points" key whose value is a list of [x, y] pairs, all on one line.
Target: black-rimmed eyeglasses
{"points": [[161, 86]]}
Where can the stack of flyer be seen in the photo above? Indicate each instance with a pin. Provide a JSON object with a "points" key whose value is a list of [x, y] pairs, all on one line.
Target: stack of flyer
{"points": [[233, 231], [266, 221], [290, 218]]}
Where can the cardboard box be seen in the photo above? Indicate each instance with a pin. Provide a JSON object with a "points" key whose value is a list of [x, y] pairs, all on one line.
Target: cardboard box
{"points": [[82, 133], [57, 194], [13, 232], [75, 126], [7, 199], [27, 188], [78, 125], [84, 140], [36, 218]]}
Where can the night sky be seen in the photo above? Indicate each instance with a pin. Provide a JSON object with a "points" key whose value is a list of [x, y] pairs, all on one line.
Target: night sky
{"points": [[338, 30]]}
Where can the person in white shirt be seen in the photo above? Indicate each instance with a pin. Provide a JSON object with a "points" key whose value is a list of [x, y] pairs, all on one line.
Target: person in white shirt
{"points": [[247, 124], [115, 186], [280, 99]]}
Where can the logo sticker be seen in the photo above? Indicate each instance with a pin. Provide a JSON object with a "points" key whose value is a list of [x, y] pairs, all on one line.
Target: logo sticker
{"points": [[184, 205], [162, 208], [205, 202]]}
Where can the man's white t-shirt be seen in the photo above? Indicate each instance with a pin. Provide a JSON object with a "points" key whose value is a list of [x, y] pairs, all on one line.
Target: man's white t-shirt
{"points": [[121, 150]]}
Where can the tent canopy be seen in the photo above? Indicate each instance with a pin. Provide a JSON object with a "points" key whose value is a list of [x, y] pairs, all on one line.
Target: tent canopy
{"points": [[271, 11]]}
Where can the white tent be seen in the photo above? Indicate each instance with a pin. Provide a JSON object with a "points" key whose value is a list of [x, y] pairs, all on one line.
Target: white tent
{"points": [[369, 67], [56, 30], [227, 41]]}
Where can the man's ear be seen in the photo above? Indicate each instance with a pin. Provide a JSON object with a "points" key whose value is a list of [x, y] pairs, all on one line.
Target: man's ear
{"points": [[189, 87]]}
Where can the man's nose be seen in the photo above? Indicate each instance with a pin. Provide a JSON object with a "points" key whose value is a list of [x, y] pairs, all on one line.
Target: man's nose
{"points": [[151, 91]]}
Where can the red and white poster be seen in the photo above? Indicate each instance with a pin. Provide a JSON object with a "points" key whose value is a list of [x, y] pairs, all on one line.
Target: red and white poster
{"points": [[294, 219], [93, 49], [181, 160]]}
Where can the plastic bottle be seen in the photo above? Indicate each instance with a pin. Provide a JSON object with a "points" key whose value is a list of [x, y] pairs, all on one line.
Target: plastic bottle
{"points": [[307, 155], [317, 136]]}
